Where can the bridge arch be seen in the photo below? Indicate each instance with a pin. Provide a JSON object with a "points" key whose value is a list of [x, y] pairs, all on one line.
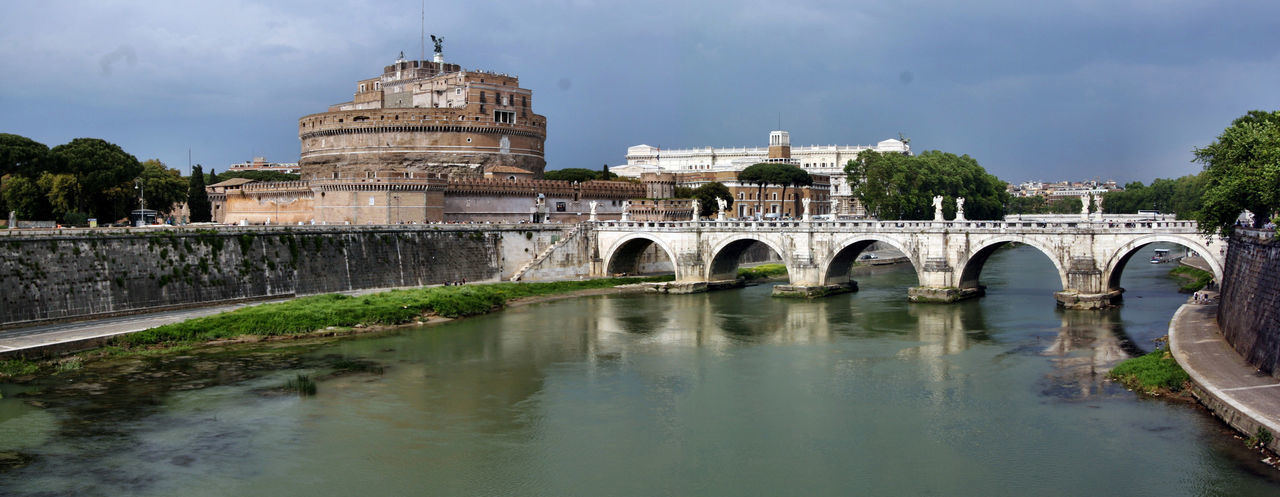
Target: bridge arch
{"points": [[1116, 262], [971, 267], [723, 262], [835, 269], [624, 255]]}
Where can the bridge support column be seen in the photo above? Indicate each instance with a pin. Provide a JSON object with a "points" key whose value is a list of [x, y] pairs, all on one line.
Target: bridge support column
{"points": [[936, 285], [1086, 288], [806, 280]]}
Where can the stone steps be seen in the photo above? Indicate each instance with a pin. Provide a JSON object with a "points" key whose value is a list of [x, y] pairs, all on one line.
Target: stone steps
{"points": [[570, 235]]}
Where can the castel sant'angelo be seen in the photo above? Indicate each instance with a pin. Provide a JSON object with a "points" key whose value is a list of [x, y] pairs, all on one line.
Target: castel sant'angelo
{"points": [[425, 117], [426, 141]]}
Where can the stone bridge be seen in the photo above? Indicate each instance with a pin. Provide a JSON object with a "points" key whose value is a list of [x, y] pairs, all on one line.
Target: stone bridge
{"points": [[948, 256]]}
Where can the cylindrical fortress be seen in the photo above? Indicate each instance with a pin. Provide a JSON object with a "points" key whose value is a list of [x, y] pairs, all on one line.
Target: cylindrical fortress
{"points": [[425, 117]]}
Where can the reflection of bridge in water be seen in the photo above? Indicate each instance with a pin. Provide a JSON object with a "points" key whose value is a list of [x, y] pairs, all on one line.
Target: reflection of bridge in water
{"points": [[947, 256]]}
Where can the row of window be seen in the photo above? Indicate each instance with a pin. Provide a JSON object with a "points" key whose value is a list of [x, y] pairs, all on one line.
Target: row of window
{"points": [[753, 196]]}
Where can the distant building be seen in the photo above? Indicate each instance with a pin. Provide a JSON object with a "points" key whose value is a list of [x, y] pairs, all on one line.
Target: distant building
{"points": [[261, 164], [824, 160]]}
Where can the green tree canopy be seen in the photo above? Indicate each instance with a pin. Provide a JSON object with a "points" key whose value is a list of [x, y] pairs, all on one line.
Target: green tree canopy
{"points": [[164, 187], [896, 186], [197, 198], [1242, 169], [24, 196], [707, 194], [104, 173], [23, 156], [1182, 196], [572, 174], [759, 174]]}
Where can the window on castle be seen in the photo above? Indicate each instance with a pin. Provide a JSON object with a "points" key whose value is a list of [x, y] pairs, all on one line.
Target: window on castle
{"points": [[524, 101], [368, 174], [504, 116], [740, 195], [482, 97]]}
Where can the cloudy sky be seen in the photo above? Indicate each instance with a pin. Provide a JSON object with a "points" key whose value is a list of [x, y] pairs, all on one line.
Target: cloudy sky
{"points": [[1033, 90]]}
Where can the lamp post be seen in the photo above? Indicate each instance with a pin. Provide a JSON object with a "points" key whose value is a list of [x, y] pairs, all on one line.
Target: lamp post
{"points": [[142, 202]]}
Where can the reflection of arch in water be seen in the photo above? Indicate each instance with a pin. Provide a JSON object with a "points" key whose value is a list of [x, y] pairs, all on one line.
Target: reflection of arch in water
{"points": [[1118, 260], [624, 255], [725, 257], [836, 269], [972, 267]]}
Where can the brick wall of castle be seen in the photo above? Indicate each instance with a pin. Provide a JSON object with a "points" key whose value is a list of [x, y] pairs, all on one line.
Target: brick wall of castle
{"points": [[1249, 314]]}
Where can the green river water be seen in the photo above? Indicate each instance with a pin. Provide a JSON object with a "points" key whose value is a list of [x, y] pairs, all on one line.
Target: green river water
{"points": [[720, 394]]}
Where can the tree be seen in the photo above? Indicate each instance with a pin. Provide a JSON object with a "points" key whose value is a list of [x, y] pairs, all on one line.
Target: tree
{"points": [[605, 174], [577, 174], [104, 173], [164, 187], [759, 174], [682, 192], [1064, 205], [1034, 204], [707, 195], [24, 196], [23, 156], [63, 192], [197, 198], [791, 176], [896, 186], [1242, 169]]}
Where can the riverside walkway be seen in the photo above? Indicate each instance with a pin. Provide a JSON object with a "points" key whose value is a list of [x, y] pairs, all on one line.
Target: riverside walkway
{"points": [[1235, 391]]}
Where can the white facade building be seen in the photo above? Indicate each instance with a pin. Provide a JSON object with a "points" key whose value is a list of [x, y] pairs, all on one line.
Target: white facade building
{"points": [[828, 160]]}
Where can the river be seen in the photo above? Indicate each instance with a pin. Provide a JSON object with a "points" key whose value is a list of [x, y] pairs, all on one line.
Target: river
{"points": [[727, 393]]}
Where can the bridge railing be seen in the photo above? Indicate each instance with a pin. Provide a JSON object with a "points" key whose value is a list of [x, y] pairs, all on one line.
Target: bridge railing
{"points": [[1116, 225]]}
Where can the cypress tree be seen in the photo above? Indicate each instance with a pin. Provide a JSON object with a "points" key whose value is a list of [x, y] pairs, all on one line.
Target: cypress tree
{"points": [[198, 198]]}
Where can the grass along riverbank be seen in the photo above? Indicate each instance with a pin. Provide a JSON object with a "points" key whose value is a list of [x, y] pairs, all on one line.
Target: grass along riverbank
{"points": [[336, 314], [1155, 374], [307, 314], [761, 272], [1193, 279]]}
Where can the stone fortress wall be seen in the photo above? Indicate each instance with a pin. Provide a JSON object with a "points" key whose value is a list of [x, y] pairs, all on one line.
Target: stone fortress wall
{"points": [[1249, 313], [351, 144], [68, 274]]}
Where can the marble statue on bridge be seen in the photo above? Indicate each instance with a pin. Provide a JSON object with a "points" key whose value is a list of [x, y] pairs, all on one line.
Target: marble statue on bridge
{"points": [[721, 203], [626, 206], [593, 211], [960, 209], [696, 207], [805, 201], [937, 208], [1084, 205]]}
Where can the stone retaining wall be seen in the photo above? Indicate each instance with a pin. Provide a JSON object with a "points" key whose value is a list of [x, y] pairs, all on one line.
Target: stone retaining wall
{"points": [[70, 274], [1250, 307]]}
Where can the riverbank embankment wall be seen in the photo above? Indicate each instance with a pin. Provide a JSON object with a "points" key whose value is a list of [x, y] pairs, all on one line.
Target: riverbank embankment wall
{"points": [[1249, 313], [77, 273]]}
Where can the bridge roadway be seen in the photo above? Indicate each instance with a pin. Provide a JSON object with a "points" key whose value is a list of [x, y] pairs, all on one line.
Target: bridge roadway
{"points": [[948, 256]]}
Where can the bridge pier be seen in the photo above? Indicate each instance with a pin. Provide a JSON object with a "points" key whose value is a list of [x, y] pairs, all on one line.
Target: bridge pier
{"points": [[1074, 299], [942, 295], [1086, 288], [813, 291]]}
